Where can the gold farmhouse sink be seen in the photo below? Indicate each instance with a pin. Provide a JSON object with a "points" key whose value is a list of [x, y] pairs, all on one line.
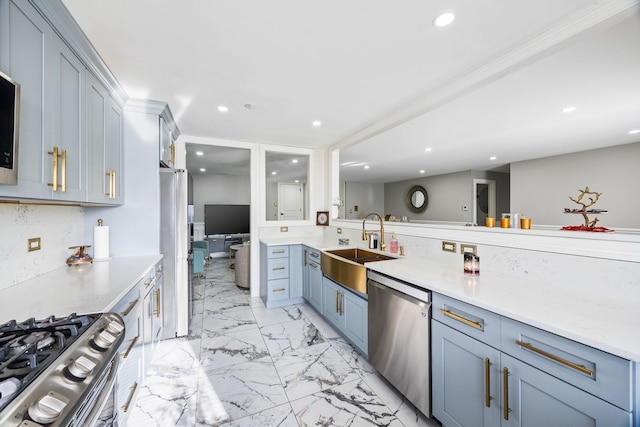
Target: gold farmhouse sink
{"points": [[345, 266]]}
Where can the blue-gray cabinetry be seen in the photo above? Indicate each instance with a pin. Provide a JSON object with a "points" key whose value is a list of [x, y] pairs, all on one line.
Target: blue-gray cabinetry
{"points": [[312, 290], [489, 370], [347, 312], [281, 275], [56, 153]]}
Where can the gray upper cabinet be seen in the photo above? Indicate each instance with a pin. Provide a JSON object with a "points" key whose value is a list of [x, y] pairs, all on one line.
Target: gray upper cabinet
{"points": [[65, 142], [167, 145]]}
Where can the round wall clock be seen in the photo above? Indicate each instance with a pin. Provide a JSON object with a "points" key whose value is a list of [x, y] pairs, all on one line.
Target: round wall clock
{"points": [[322, 218]]}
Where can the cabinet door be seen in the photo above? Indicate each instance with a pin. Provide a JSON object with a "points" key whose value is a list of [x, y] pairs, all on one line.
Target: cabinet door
{"points": [[113, 151], [25, 46], [67, 93], [355, 313], [315, 285], [539, 399], [331, 302], [295, 271], [305, 273], [167, 148], [97, 180], [460, 379]]}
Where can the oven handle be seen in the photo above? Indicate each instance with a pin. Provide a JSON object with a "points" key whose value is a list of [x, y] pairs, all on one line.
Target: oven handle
{"points": [[101, 400]]}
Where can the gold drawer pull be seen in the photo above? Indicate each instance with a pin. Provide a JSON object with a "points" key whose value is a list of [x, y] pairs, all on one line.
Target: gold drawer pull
{"points": [[54, 166], [580, 368], [64, 171], [487, 383], [148, 282], [128, 310], [461, 319], [133, 342], [158, 301], [133, 388], [505, 387], [277, 268], [314, 254], [281, 251], [280, 290]]}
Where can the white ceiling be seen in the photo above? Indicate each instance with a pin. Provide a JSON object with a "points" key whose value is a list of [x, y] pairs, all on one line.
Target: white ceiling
{"points": [[492, 83]]}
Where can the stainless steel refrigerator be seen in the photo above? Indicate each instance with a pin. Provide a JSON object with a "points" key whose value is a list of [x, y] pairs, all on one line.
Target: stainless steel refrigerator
{"points": [[174, 245]]}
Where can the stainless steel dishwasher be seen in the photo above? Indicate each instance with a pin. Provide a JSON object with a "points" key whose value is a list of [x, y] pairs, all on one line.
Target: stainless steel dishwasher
{"points": [[399, 342]]}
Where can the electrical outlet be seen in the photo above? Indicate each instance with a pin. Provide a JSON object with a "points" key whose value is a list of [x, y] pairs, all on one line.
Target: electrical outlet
{"points": [[33, 244], [284, 229]]}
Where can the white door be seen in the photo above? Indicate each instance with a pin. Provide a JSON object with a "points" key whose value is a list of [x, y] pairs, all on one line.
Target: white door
{"points": [[290, 201]]}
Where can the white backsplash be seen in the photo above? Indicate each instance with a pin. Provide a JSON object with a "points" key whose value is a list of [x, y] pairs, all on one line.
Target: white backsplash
{"points": [[613, 278], [58, 228]]}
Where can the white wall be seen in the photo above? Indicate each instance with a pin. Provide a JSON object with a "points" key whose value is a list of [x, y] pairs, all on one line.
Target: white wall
{"points": [[368, 197], [219, 189], [58, 228], [541, 188]]}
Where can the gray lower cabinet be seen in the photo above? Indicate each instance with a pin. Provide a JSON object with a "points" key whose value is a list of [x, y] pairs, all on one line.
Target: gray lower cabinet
{"points": [[347, 312], [526, 378], [313, 279], [281, 275]]}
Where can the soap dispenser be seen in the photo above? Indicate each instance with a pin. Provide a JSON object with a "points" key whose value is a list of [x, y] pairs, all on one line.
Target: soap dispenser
{"points": [[393, 244]]}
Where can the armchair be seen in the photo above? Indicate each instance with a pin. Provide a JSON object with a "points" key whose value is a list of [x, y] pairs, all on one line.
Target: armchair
{"points": [[202, 246]]}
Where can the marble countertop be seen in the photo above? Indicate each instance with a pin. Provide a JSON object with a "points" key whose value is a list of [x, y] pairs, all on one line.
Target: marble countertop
{"points": [[606, 323], [90, 288]]}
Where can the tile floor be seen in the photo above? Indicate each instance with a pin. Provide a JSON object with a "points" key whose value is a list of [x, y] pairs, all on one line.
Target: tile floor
{"points": [[244, 365]]}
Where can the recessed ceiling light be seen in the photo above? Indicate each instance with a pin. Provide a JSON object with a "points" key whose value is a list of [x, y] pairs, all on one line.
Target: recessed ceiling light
{"points": [[422, 171], [366, 167], [199, 153], [317, 123], [274, 173], [444, 19], [634, 131], [203, 170], [223, 109], [569, 109], [492, 158], [294, 161], [428, 149], [297, 181]]}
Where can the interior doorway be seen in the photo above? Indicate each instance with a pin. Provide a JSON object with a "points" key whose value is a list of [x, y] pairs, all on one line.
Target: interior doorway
{"points": [[484, 200]]}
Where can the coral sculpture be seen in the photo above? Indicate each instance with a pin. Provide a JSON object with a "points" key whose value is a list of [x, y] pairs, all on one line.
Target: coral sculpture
{"points": [[592, 198]]}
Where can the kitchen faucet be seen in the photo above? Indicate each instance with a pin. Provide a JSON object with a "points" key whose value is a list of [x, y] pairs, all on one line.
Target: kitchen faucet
{"points": [[364, 232]]}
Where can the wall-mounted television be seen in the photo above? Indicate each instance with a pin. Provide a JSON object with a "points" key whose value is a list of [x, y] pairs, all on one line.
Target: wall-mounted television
{"points": [[9, 127], [226, 219]]}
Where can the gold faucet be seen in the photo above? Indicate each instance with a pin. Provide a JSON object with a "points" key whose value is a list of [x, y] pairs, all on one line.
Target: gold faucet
{"points": [[364, 232]]}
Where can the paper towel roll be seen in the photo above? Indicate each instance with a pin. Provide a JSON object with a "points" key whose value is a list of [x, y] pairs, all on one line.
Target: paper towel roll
{"points": [[100, 242]]}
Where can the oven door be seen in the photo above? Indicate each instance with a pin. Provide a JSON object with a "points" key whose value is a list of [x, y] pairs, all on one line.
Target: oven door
{"points": [[98, 409]]}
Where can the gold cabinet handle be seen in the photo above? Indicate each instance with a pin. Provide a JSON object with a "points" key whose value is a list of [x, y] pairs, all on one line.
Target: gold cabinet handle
{"points": [[337, 311], [341, 303], [172, 149], [305, 257], [281, 251], [313, 265], [157, 310], [54, 177], [279, 290], [505, 387], [133, 388], [464, 320], [64, 171], [487, 382], [114, 185], [128, 310], [133, 342], [277, 268], [580, 368], [148, 282], [314, 254]]}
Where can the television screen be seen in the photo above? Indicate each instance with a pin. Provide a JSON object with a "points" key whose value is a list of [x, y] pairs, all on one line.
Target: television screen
{"points": [[226, 219]]}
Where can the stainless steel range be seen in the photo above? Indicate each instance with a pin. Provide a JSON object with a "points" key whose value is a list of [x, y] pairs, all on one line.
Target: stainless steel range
{"points": [[57, 371]]}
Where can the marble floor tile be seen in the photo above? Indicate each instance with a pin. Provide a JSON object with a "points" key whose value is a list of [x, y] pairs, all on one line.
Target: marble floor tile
{"points": [[228, 321], [265, 317], [312, 369], [212, 306], [231, 349], [237, 391], [289, 336], [280, 416], [351, 404], [352, 357]]}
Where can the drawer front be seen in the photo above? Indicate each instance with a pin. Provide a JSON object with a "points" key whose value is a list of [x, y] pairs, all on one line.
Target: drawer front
{"points": [[313, 256], [599, 373], [277, 268], [130, 303], [480, 324], [278, 252], [278, 289]]}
